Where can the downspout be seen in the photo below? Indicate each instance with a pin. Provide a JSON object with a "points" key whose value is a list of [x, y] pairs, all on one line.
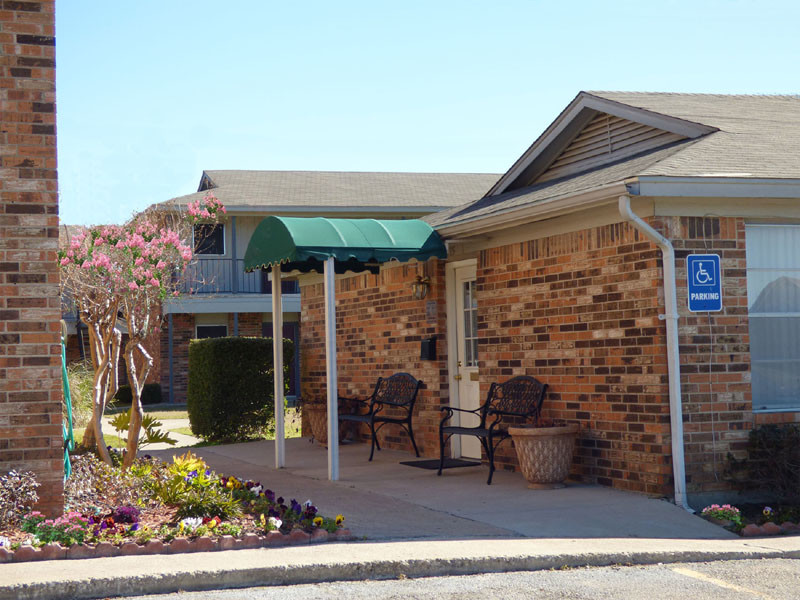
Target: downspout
{"points": [[673, 352]]}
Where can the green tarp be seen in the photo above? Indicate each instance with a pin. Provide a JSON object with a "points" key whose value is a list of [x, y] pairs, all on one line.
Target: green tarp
{"points": [[303, 244]]}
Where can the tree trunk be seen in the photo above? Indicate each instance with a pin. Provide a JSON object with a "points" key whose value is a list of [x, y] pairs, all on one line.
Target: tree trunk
{"points": [[137, 383]]}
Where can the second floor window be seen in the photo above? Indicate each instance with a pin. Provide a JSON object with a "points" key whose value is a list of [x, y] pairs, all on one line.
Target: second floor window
{"points": [[209, 239]]}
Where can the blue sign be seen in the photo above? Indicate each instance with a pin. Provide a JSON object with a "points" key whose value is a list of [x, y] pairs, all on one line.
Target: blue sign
{"points": [[705, 283]]}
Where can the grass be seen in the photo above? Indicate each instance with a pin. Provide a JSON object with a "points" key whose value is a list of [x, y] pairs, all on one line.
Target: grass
{"points": [[164, 415], [182, 430], [111, 439]]}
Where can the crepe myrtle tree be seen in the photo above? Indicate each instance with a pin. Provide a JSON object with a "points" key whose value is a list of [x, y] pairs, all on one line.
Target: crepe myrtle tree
{"points": [[126, 272]]}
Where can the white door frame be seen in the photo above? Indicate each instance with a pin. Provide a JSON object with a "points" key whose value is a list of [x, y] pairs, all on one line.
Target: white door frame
{"points": [[452, 341]]}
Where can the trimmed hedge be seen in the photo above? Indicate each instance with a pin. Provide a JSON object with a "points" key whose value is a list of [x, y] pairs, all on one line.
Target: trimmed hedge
{"points": [[151, 394], [230, 388]]}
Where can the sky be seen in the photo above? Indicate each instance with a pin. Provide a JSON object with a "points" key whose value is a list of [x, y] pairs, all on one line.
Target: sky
{"points": [[150, 93]]}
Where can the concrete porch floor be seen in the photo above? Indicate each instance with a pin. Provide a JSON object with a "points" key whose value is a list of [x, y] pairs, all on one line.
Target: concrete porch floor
{"points": [[384, 500]]}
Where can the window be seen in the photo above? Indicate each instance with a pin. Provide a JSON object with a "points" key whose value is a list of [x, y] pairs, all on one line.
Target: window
{"points": [[209, 239], [773, 300], [211, 331]]}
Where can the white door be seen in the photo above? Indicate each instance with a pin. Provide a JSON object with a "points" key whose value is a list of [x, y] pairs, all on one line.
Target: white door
{"points": [[466, 368]]}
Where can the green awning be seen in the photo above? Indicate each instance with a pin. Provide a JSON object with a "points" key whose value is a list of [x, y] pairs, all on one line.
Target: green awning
{"points": [[303, 244]]}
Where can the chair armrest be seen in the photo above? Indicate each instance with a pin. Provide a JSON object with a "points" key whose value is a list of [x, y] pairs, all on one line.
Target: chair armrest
{"points": [[451, 410], [464, 410]]}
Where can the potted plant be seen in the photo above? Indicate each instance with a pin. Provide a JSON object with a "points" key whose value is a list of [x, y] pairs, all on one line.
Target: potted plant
{"points": [[544, 450], [316, 409]]}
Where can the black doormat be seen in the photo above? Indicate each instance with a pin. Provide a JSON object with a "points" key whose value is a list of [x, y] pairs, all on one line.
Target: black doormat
{"points": [[449, 463]]}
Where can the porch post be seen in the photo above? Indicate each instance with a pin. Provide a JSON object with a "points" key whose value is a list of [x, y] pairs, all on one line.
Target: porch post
{"points": [[330, 364], [277, 363]]}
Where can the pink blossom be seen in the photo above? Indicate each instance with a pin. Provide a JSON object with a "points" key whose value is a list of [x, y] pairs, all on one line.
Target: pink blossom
{"points": [[133, 285], [65, 261]]}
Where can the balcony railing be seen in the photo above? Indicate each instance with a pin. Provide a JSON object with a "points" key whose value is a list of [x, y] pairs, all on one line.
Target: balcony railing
{"points": [[227, 276]]}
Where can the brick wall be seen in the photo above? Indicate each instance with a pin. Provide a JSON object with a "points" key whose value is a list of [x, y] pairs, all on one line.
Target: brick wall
{"points": [[182, 332], [579, 311], [30, 377], [715, 352], [379, 328]]}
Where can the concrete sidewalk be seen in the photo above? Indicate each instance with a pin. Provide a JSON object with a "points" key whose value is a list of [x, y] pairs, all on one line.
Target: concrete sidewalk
{"points": [[137, 575], [384, 500]]}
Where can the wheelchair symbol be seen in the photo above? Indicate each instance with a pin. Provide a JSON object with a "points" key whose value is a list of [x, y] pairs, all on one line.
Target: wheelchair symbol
{"points": [[701, 276]]}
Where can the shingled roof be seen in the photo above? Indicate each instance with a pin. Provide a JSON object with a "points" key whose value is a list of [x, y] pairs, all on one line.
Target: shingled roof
{"points": [[745, 137], [268, 190]]}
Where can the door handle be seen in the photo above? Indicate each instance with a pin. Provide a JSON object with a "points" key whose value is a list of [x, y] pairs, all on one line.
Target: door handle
{"points": [[457, 377]]}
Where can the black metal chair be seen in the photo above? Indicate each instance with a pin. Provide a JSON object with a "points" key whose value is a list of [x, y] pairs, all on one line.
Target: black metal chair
{"points": [[520, 397], [398, 391]]}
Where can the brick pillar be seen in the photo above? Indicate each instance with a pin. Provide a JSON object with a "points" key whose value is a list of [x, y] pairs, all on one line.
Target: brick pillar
{"points": [[30, 377]]}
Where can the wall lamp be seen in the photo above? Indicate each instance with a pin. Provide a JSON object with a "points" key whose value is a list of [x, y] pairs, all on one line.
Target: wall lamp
{"points": [[419, 287]]}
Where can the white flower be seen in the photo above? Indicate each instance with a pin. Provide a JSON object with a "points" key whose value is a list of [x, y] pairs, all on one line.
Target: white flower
{"points": [[276, 523], [256, 489], [4, 541], [191, 522], [307, 503]]}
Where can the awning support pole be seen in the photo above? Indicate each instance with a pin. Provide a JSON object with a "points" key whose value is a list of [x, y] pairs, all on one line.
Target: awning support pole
{"points": [[277, 361], [330, 364]]}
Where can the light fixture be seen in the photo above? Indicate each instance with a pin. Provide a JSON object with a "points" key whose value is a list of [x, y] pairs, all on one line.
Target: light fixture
{"points": [[419, 286]]}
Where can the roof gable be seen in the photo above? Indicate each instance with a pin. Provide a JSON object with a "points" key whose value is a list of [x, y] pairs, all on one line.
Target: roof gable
{"points": [[591, 132]]}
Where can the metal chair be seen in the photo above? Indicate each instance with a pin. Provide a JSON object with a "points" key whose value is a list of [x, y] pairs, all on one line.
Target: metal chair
{"points": [[519, 397], [398, 391]]}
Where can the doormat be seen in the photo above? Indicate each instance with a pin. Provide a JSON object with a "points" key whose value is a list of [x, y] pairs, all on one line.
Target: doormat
{"points": [[449, 463]]}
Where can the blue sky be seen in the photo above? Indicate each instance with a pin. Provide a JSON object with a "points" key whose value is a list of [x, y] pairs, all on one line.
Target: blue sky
{"points": [[150, 93]]}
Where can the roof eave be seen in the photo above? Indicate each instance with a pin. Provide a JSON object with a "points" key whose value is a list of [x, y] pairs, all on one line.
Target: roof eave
{"points": [[537, 211]]}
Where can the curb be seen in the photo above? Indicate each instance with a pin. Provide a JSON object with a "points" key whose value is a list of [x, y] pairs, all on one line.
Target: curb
{"points": [[288, 574]]}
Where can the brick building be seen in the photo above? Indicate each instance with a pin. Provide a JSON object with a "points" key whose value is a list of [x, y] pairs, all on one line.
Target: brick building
{"points": [[30, 377], [549, 274]]}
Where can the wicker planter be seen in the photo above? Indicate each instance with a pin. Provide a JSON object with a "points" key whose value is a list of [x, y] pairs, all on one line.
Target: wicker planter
{"points": [[318, 421], [545, 453]]}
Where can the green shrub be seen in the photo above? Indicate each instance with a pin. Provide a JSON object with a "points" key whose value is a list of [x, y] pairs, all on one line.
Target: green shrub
{"points": [[772, 464], [230, 388], [151, 394]]}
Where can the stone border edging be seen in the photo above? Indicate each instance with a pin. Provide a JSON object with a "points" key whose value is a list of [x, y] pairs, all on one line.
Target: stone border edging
{"points": [[165, 583], [178, 545]]}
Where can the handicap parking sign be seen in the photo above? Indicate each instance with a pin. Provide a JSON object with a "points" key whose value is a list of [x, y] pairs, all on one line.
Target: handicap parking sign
{"points": [[705, 284]]}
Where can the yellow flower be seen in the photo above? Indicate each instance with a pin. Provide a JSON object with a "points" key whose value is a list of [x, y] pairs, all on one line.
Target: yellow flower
{"points": [[317, 521], [339, 520], [263, 520]]}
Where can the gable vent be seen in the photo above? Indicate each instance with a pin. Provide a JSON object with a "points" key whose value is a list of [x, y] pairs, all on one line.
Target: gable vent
{"points": [[603, 140]]}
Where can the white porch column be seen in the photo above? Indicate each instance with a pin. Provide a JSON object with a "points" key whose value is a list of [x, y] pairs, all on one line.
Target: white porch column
{"points": [[277, 361], [330, 364]]}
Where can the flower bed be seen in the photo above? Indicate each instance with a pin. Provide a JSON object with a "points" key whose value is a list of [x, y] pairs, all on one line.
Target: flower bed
{"points": [[155, 507], [754, 520]]}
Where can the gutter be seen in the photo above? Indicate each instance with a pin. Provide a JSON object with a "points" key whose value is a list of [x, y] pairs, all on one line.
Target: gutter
{"points": [[673, 353]]}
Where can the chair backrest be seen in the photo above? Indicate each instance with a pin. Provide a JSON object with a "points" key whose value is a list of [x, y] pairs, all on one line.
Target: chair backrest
{"points": [[520, 396], [399, 389]]}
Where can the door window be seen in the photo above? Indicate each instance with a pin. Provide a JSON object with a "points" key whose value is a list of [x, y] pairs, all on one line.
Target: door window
{"points": [[470, 324]]}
